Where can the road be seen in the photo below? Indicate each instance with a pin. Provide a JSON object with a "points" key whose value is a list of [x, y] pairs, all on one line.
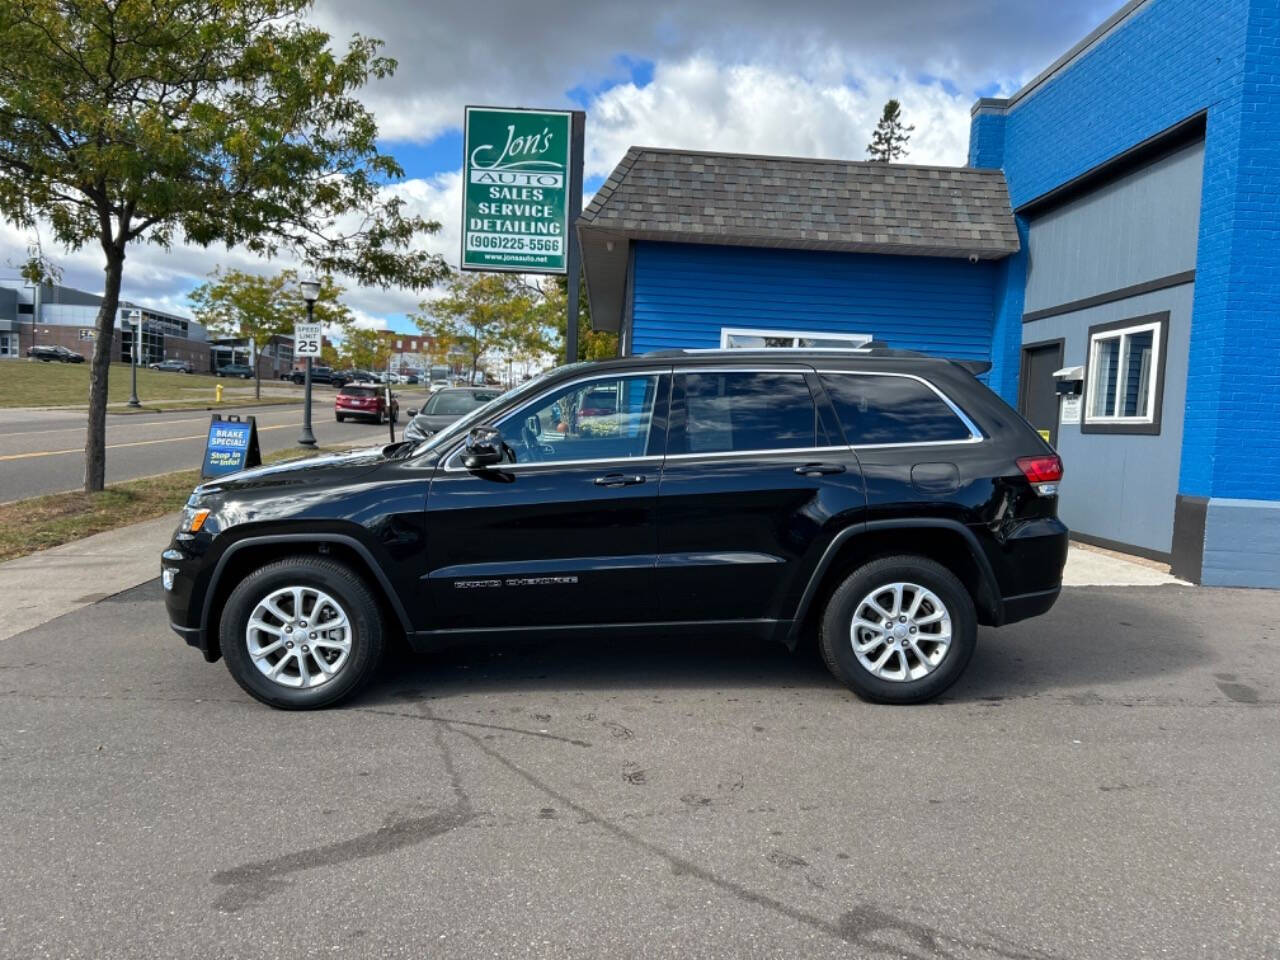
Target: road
{"points": [[42, 451], [1102, 783]]}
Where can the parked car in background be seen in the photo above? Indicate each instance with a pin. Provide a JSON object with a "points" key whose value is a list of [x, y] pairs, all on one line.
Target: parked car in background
{"points": [[887, 499], [241, 370], [47, 353], [443, 407], [365, 402], [438, 385], [174, 366], [318, 375]]}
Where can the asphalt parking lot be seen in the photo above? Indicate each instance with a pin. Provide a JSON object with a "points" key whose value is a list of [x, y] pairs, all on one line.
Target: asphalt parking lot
{"points": [[1103, 783]]}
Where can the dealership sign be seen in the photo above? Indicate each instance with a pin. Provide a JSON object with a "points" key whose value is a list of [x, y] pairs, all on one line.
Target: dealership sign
{"points": [[517, 168]]}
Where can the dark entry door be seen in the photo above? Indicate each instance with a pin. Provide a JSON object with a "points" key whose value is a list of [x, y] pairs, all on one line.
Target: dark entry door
{"points": [[1037, 390]]}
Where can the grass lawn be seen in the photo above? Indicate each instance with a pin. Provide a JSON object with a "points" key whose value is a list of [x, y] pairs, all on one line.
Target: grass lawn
{"points": [[40, 522], [29, 383]]}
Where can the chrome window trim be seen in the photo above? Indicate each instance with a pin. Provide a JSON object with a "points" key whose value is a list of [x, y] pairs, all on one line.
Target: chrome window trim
{"points": [[975, 434], [772, 452]]}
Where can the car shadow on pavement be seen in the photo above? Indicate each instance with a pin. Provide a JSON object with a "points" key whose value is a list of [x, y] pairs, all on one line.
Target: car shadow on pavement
{"points": [[1093, 637]]}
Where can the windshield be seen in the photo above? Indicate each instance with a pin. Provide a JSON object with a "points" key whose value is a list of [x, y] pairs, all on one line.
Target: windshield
{"points": [[455, 404], [459, 427]]}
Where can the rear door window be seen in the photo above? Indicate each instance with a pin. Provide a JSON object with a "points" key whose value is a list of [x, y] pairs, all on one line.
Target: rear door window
{"points": [[740, 411], [888, 409]]}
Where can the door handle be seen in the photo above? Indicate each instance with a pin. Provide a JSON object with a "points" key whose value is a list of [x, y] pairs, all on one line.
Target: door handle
{"points": [[618, 480], [820, 469]]}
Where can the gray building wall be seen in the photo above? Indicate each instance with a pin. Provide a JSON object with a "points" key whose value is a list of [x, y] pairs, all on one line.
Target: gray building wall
{"points": [[1123, 487], [1241, 544], [1139, 228]]}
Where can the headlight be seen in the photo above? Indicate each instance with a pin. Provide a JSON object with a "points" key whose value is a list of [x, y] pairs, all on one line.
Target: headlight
{"points": [[193, 519]]}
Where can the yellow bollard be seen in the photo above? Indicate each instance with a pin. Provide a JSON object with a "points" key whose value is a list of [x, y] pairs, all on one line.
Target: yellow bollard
{"points": [[218, 391]]}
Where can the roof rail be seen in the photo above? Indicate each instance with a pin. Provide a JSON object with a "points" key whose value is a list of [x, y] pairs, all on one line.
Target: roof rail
{"points": [[873, 348]]}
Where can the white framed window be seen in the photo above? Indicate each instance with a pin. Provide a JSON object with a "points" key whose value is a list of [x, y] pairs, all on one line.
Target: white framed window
{"points": [[750, 338], [1125, 372]]}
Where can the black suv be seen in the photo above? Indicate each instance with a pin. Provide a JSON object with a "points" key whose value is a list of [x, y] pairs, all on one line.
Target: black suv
{"points": [[889, 500]]}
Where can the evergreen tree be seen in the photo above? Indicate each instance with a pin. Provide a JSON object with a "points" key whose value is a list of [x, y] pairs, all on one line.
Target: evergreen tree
{"points": [[889, 142]]}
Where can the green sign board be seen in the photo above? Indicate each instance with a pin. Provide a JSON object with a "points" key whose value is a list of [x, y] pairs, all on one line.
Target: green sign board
{"points": [[515, 190]]}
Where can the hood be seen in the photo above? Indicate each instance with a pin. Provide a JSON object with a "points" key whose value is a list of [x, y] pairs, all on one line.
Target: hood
{"points": [[306, 470], [433, 423]]}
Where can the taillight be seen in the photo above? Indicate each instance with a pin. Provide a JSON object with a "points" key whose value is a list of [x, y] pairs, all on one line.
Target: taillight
{"points": [[1043, 473]]}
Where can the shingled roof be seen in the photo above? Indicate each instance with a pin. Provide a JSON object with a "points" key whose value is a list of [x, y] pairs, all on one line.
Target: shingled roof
{"points": [[688, 196], [863, 207]]}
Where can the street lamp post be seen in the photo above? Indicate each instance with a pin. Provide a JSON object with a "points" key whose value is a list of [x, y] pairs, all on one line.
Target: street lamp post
{"points": [[310, 293], [135, 320]]}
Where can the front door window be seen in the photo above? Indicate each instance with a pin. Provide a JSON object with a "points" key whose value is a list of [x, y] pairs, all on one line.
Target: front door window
{"points": [[605, 419]]}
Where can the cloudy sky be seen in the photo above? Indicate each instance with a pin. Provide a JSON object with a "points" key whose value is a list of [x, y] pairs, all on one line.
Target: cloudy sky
{"points": [[805, 78]]}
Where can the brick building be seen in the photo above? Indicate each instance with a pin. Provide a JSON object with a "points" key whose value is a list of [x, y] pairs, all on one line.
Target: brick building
{"points": [[1110, 248], [63, 316]]}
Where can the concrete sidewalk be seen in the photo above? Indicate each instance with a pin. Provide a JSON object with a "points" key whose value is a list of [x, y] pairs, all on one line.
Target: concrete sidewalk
{"points": [[45, 585], [48, 584]]}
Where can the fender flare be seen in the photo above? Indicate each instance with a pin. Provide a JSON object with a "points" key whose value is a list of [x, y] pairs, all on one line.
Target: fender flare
{"points": [[986, 573], [274, 539]]}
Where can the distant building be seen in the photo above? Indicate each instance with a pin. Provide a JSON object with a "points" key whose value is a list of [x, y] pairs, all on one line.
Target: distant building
{"points": [[67, 317]]}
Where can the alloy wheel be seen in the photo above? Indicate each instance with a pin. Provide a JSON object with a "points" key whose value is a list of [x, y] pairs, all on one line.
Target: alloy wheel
{"points": [[901, 632], [299, 637]]}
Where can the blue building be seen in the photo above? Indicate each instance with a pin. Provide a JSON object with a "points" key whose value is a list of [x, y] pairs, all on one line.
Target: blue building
{"points": [[1112, 247]]}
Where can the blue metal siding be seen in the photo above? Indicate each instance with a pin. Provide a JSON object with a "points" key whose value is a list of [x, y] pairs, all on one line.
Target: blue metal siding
{"points": [[685, 293]]}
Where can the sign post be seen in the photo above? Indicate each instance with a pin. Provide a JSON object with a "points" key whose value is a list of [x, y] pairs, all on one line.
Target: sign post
{"points": [[135, 321], [522, 194], [307, 340]]}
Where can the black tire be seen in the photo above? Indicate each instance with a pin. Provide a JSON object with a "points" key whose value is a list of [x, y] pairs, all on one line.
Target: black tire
{"points": [[347, 587], [340, 418], [837, 619]]}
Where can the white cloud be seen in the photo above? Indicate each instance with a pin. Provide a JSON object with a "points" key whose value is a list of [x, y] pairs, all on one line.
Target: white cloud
{"points": [[805, 79], [748, 108]]}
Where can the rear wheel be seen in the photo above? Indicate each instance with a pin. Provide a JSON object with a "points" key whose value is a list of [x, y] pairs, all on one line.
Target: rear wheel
{"points": [[339, 417], [301, 633], [899, 630]]}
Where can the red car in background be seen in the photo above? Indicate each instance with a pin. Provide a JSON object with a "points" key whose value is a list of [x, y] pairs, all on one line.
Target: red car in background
{"points": [[365, 402]]}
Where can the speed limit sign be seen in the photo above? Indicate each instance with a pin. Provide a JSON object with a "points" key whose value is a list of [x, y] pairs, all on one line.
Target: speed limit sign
{"points": [[306, 339]]}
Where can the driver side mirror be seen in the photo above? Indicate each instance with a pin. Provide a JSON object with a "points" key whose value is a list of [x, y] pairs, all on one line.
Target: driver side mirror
{"points": [[483, 449], [412, 411]]}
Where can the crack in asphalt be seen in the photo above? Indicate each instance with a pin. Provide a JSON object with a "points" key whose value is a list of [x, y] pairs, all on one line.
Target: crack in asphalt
{"points": [[252, 883], [865, 926], [858, 926], [540, 734]]}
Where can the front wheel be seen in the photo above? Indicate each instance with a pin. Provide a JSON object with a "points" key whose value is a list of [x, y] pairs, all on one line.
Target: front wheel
{"points": [[899, 630], [301, 633]]}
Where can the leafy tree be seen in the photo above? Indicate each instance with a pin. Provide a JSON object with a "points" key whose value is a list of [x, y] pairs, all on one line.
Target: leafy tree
{"points": [[235, 303], [592, 344], [483, 313], [891, 136], [209, 121], [262, 308], [366, 349]]}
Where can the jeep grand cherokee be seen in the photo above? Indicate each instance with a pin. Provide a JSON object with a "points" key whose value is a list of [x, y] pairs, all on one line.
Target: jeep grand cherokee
{"points": [[889, 500]]}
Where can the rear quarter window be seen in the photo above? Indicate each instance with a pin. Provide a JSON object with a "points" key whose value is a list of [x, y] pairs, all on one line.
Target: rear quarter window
{"points": [[891, 409]]}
